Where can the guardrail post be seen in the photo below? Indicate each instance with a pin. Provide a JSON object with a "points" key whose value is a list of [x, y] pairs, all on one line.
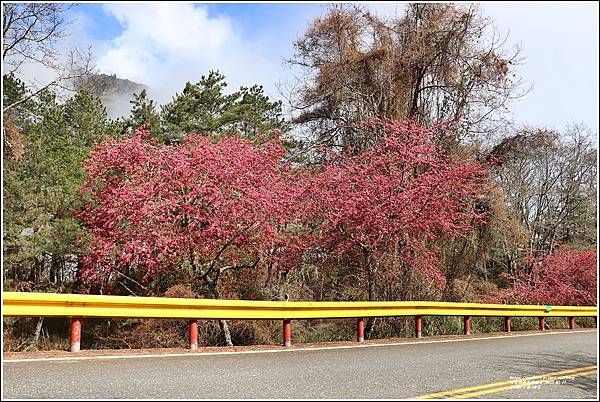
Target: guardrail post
{"points": [[193, 335], [542, 326], [571, 322], [418, 326], [75, 334], [287, 333], [507, 324], [360, 330], [467, 325]]}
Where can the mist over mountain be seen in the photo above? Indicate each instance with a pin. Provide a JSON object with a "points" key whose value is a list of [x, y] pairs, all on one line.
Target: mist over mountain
{"points": [[114, 92]]}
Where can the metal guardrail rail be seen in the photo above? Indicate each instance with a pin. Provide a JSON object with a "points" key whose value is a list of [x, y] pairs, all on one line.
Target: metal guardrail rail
{"points": [[75, 305], [95, 306]]}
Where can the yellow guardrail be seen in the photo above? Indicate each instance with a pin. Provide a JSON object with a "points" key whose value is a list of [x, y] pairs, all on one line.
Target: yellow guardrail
{"points": [[73, 305]]}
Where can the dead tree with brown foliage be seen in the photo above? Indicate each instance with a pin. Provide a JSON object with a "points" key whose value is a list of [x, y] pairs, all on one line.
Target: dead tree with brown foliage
{"points": [[435, 62]]}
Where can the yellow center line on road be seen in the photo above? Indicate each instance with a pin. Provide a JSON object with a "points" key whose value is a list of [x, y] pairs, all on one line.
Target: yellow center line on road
{"points": [[525, 384], [519, 382]]}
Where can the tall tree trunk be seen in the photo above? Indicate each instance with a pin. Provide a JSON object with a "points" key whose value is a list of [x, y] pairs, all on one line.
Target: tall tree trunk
{"points": [[226, 333], [371, 292], [54, 269], [222, 323], [452, 274], [370, 275], [370, 327], [36, 336]]}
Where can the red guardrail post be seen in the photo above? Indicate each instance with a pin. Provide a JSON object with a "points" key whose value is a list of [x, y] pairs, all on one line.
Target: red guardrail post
{"points": [[571, 322], [287, 333], [193, 335], [75, 334], [467, 325], [507, 324], [418, 326], [542, 326], [360, 330]]}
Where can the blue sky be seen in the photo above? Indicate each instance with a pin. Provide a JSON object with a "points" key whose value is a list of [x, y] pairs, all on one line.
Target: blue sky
{"points": [[165, 45]]}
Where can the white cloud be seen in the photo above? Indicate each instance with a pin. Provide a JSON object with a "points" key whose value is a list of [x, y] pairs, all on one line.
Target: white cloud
{"points": [[163, 45]]}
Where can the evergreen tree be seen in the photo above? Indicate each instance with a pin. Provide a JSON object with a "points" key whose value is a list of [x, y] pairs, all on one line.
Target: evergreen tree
{"points": [[204, 108], [143, 111], [14, 91], [41, 190]]}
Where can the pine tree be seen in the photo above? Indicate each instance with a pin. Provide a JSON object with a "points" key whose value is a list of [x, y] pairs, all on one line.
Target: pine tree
{"points": [[143, 111], [204, 108], [41, 190]]}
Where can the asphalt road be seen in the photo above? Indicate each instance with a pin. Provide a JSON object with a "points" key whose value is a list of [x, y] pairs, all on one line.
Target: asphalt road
{"points": [[378, 372]]}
